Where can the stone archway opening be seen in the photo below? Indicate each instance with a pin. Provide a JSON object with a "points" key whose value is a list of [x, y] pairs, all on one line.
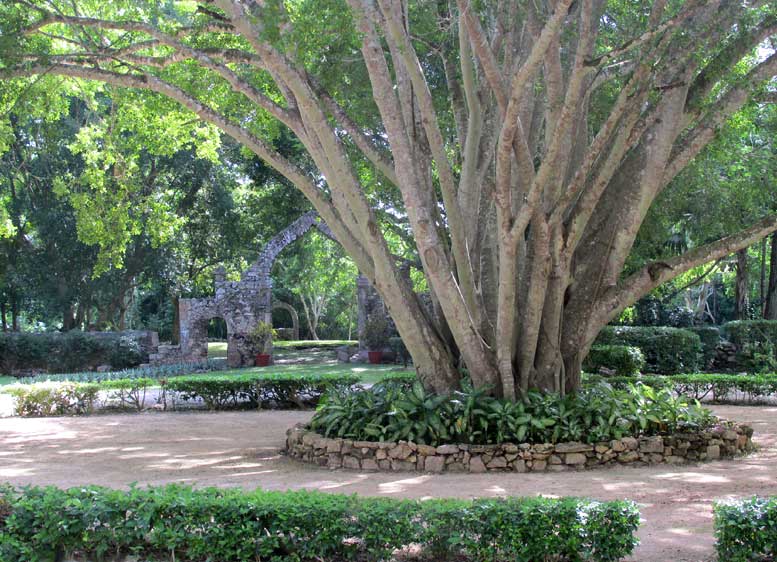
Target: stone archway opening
{"points": [[218, 337], [290, 311]]}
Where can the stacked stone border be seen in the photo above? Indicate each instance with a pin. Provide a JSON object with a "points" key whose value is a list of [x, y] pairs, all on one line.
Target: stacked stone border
{"points": [[723, 441]]}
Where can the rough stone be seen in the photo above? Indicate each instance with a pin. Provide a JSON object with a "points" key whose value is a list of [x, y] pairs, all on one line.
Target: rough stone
{"points": [[618, 446], [476, 465], [628, 456], [447, 449], [434, 464], [651, 444], [713, 452], [496, 462], [573, 447], [631, 443], [401, 451], [426, 450], [729, 435], [574, 458], [351, 462], [369, 464], [539, 465]]}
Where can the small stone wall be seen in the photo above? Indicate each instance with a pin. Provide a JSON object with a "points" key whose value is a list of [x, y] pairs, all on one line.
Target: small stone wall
{"points": [[724, 441]]}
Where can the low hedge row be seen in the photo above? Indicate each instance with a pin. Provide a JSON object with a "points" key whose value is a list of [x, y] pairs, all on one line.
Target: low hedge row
{"points": [[150, 372], [699, 386], [179, 523], [217, 392], [746, 529], [666, 350], [622, 360]]}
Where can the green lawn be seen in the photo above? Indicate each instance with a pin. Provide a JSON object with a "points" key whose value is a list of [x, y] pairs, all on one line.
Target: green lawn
{"points": [[368, 373], [6, 380]]}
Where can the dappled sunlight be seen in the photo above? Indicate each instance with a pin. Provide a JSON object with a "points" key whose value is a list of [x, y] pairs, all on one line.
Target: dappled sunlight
{"points": [[693, 477], [14, 472], [399, 486]]}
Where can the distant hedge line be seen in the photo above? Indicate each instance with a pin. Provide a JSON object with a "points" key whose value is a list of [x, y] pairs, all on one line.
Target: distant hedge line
{"points": [[179, 523], [666, 350], [217, 392], [72, 351]]}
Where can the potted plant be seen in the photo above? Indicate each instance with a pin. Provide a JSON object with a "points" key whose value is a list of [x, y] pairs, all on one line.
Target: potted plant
{"points": [[376, 337], [260, 339]]}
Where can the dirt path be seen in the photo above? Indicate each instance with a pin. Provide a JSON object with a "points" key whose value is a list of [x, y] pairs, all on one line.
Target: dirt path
{"points": [[243, 449]]}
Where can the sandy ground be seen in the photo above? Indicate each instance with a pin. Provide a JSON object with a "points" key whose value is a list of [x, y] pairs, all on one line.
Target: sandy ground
{"points": [[243, 449]]}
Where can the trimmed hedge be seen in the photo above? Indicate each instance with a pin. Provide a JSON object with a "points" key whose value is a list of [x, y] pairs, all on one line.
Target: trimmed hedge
{"points": [[746, 529], [55, 352], [666, 350], [221, 391], [699, 386], [43, 524], [710, 338], [150, 372], [625, 360], [756, 342], [217, 392]]}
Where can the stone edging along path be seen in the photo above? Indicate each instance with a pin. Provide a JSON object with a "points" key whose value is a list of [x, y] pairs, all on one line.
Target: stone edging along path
{"points": [[722, 441]]}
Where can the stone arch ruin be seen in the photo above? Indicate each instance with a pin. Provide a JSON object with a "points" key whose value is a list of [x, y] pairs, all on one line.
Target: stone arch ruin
{"points": [[294, 317], [242, 304]]}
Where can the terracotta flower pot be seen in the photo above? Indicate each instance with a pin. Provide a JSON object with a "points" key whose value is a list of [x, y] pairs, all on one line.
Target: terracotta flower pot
{"points": [[262, 359], [375, 357]]}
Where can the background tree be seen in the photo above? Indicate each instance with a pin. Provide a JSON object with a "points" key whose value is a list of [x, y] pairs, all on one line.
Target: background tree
{"points": [[528, 141]]}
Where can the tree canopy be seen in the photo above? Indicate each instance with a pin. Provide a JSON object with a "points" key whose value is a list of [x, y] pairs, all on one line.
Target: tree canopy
{"points": [[508, 153]]}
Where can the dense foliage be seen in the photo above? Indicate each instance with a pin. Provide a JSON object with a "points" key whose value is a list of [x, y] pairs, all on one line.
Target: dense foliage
{"points": [[228, 525], [216, 392], [57, 353], [401, 411], [756, 342], [666, 350], [710, 338], [623, 360], [746, 530]]}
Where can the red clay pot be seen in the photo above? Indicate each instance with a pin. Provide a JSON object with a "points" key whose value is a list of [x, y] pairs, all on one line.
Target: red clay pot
{"points": [[375, 357], [262, 359]]}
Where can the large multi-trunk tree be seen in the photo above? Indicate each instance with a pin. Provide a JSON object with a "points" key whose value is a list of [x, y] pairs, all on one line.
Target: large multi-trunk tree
{"points": [[527, 140]]}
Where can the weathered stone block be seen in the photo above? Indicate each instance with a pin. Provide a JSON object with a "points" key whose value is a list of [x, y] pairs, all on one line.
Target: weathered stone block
{"points": [[631, 443], [434, 464], [369, 464], [539, 465], [573, 447], [401, 451], [628, 456], [651, 444], [496, 462], [447, 449], [426, 450], [713, 452], [351, 462], [574, 458], [476, 464]]}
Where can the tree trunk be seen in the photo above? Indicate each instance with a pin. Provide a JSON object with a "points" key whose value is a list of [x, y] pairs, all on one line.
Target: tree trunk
{"points": [[770, 313], [14, 312], [742, 286], [2, 316]]}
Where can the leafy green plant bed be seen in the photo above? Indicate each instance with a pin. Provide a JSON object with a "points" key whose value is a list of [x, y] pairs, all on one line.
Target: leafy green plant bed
{"points": [[400, 411], [176, 522], [153, 372], [746, 530], [706, 386], [251, 390]]}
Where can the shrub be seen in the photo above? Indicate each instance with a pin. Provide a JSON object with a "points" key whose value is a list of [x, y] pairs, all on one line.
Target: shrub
{"points": [[666, 350], [261, 337], [221, 391], [714, 386], [400, 351], [390, 412], [710, 338], [746, 529], [216, 392], [234, 525], [624, 360], [756, 342], [71, 351], [53, 399], [376, 332]]}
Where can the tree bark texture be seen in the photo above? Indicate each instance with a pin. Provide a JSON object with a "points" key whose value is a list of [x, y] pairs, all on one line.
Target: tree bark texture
{"points": [[523, 203]]}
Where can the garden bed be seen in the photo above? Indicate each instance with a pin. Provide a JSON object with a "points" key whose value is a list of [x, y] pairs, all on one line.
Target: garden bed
{"points": [[724, 440]]}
